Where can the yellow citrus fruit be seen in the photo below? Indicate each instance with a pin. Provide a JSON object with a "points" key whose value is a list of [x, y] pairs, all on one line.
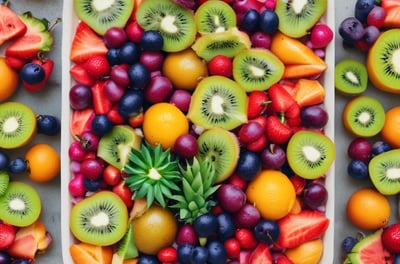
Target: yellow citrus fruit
{"points": [[163, 123], [9, 80], [391, 128], [307, 253], [43, 162], [272, 194], [154, 230], [368, 209], [184, 69]]}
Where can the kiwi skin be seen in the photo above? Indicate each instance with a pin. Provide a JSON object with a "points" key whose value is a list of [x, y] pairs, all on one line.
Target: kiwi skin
{"points": [[384, 172], [351, 77]]}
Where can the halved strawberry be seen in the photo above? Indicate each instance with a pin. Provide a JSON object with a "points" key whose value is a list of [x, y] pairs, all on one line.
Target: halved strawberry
{"points": [[86, 43], [276, 131], [11, 26], [7, 235], [296, 229], [101, 104], [261, 254], [80, 74], [47, 65]]}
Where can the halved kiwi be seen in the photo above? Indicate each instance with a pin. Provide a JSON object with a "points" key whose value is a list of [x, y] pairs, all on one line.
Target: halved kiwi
{"points": [[218, 102], [115, 146], [101, 219], [221, 147], [101, 15], [383, 63], [214, 16], [174, 22], [126, 248], [310, 154], [364, 116], [351, 77], [296, 17], [257, 69], [4, 181], [384, 171], [17, 125], [20, 205]]}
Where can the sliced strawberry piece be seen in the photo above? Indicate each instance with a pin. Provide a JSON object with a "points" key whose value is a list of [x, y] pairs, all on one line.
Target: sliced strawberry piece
{"points": [[292, 115], [80, 75], [7, 235], [299, 184], [276, 131], [47, 65], [11, 26], [101, 104], [281, 100], [86, 43], [296, 229], [16, 63], [261, 254], [257, 103]]}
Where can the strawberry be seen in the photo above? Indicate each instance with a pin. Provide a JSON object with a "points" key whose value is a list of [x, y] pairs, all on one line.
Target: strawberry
{"points": [[101, 104], [296, 229], [261, 254], [258, 144], [246, 238], [293, 118], [12, 26], [283, 260], [16, 63], [7, 235], [47, 65], [281, 100], [298, 183], [391, 238], [276, 131], [86, 43], [80, 74], [257, 103], [97, 66]]}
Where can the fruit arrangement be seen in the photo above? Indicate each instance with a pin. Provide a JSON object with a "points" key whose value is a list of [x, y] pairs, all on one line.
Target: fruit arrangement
{"points": [[197, 132], [371, 122], [25, 160]]}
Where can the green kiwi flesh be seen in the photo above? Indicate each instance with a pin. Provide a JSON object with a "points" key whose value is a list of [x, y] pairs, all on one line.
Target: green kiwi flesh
{"points": [[4, 181], [101, 219], [221, 147], [310, 154], [364, 116], [351, 77], [214, 16], [384, 171], [17, 125], [175, 23], [228, 43], [102, 15], [115, 146], [126, 248], [257, 69], [20, 205], [218, 102], [296, 17]]}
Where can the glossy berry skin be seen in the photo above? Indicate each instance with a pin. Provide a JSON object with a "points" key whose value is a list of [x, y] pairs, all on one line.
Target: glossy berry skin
{"points": [[186, 146], [199, 255], [376, 17], [250, 21], [249, 164], [351, 29], [48, 125], [205, 225], [266, 231], [362, 9], [80, 97], [139, 76], [91, 185], [226, 226], [185, 253], [360, 149], [128, 53], [112, 56], [115, 37], [4, 160], [101, 125], [131, 103], [314, 116], [357, 169], [216, 253], [181, 99], [32, 73], [230, 197], [371, 34], [17, 165], [273, 157], [348, 243], [261, 39], [269, 21], [247, 217], [98, 66], [220, 65], [380, 147], [4, 258], [148, 259], [158, 90], [250, 132], [321, 35], [167, 254], [151, 40]]}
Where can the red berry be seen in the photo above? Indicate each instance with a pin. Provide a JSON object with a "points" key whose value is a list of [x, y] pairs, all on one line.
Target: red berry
{"points": [[167, 255], [232, 247], [7, 235], [98, 66], [391, 238], [220, 65], [246, 238], [321, 35], [376, 17], [257, 104]]}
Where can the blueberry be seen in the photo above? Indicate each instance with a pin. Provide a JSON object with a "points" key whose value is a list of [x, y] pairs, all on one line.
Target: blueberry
{"points": [[250, 21], [148, 259], [20, 261], [113, 56], [362, 9], [226, 226], [130, 103], [128, 53], [101, 125], [266, 231], [249, 164], [139, 75], [357, 169], [205, 225], [396, 259], [5, 258], [380, 146], [4, 160], [185, 253], [199, 255], [32, 73], [17, 165], [48, 125], [216, 253], [151, 40], [348, 243], [351, 29], [269, 21], [92, 185]]}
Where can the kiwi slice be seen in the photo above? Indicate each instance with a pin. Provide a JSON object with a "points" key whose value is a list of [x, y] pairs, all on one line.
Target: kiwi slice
{"points": [[228, 43], [257, 69], [296, 17], [310, 154], [214, 16], [174, 22], [17, 125], [221, 148], [383, 61], [218, 102], [364, 116], [384, 171], [126, 248], [101, 15], [115, 146], [4, 181], [101, 219], [20, 205], [351, 77]]}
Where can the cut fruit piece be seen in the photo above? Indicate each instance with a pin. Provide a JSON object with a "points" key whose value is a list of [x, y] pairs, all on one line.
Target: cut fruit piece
{"points": [[364, 116], [84, 253], [308, 252], [308, 92], [11, 25], [81, 121], [17, 125], [126, 248], [298, 16], [310, 154], [351, 77], [20, 205], [214, 16], [102, 15], [174, 22], [384, 171], [115, 146], [9, 84], [4, 181], [383, 63], [392, 8], [222, 149], [227, 43], [101, 219], [257, 69], [218, 102]]}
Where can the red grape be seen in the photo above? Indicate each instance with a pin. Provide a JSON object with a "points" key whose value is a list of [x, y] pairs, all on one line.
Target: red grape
{"points": [[158, 90], [181, 99], [360, 149], [80, 97], [153, 60], [115, 37], [113, 91], [119, 74], [321, 35], [247, 217], [315, 196], [231, 198], [91, 169], [186, 146]]}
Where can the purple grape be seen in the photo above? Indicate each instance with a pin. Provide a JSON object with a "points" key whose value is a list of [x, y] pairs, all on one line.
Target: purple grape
{"points": [[250, 132], [247, 217], [181, 99], [119, 74], [376, 16], [158, 90], [273, 157], [267, 231], [76, 151], [314, 116], [80, 97], [360, 149], [261, 39], [89, 140], [186, 235], [315, 196], [4, 258], [115, 37], [153, 60], [351, 29], [371, 34], [92, 169], [231, 198], [186, 146], [113, 91]]}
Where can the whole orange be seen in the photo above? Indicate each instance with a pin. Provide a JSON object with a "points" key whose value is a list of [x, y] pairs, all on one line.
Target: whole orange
{"points": [[368, 209], [391, 128], [184, 69], [43, 162], [163, 123], [272, 194], [9, 80]]}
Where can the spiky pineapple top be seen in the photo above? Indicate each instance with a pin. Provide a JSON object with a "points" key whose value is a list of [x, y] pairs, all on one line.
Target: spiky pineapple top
{"points": [[153, 173], [194, 196]]}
